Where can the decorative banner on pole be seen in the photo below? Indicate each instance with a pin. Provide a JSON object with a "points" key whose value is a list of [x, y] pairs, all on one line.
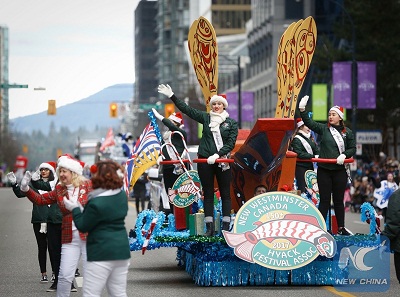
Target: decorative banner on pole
{"points": [[366, 85], [341, 80], [246, 108], [319, 93]]}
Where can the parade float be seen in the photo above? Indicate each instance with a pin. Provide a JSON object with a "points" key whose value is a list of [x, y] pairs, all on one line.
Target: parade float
{"points": [[276, 238]]}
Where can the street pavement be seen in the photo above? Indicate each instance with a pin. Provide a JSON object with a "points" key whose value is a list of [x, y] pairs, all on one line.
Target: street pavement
{"points": [[156, 273]]}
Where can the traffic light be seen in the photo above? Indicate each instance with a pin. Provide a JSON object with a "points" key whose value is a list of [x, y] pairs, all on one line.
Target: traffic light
{"points": [[169, 109], [51, 107], [113, 110]]}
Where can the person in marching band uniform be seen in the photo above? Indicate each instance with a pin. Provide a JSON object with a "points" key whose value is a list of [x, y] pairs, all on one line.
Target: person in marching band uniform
{"points": [[171, 172], [304, 145], [337, 142], [218, 140]]}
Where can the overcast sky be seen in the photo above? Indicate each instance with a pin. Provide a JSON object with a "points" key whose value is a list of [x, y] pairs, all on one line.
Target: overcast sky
{"points": [[72, 48]]}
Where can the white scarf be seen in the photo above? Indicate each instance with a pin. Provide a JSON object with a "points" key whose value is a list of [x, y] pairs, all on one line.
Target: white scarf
{"points": [[217, 119]]}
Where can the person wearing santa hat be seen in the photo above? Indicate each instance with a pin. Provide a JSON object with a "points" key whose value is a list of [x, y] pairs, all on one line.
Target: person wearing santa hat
{"points": [[40, 216], [304, 146], [108, 252], [218, 140], [75, 187], [337, 142], [171, 172]]}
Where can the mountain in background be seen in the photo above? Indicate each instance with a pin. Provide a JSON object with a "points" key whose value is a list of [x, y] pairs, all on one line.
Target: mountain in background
{"points": [[91, 113]]}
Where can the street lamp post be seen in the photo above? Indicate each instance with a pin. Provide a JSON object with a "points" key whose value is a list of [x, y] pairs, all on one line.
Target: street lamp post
{"points": [[239, 94], [239, 82], [354, 86]]}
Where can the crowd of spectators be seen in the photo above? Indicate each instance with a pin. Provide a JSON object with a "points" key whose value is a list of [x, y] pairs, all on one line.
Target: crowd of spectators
{"points": [[369, 182]]}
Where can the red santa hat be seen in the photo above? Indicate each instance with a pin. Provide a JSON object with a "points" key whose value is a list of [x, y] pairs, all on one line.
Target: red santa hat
{"points": [[67, 162], [299, 122], [338, 110], [49, 165], [176, 117], [221, 98]]}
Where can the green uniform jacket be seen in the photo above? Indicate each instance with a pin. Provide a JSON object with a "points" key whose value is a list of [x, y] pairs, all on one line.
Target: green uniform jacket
{"points": [[328, 147], [176, 140], [39, 212], [54, 213], [104, 219], [207, 147], [392, 225], [300, 150]]}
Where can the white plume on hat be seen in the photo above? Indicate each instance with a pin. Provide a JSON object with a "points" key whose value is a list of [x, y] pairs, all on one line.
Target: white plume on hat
{"points": [[219, 98], [69, 163]]}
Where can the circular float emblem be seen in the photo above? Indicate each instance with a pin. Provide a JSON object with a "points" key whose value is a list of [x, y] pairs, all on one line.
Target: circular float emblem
{"points": [[281, 231], [185, 189]]}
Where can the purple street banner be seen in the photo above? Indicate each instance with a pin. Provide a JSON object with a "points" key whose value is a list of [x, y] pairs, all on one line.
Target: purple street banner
{"points": [[246, 108], [366, 74], [341, 80]]}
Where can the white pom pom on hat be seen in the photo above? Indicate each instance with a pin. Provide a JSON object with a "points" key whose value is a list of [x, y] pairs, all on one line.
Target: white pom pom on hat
{"points": [[221, 98], [338, 110], [67, 162]]}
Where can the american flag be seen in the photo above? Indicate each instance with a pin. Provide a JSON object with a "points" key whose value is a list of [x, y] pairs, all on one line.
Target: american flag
{"points": [[143, 156]]}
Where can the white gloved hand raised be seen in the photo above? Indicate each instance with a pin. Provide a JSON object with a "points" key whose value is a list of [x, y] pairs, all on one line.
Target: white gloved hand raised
{"points": [[25, 181], [166, 90], [303, 102], [157, 115], [340, 159], [36, 175], [70, 205], [12, 178], [212, 159]]}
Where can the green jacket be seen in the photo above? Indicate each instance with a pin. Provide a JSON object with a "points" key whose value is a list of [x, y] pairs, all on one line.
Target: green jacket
{"points": [[207, 147], [300, 150], [39, 212], [104, 219], [392, 225], [328, 147], [176, 140], [54, 213]]}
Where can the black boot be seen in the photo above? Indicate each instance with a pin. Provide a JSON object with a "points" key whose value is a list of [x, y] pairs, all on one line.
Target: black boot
{"points": [[226, 226], [209, 229]]}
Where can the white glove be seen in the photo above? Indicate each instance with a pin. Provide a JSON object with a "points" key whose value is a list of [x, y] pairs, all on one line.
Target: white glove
{"points": [[166, 90], [70, 205], [303, 102], [12, 178], [36, 175], [340, 159], [43, 228], [157, 115], [212, 159], [25, 181], [316, 156]]}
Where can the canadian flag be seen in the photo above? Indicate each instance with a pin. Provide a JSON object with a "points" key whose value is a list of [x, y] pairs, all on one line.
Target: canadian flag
{"points": [[109, 141]]}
